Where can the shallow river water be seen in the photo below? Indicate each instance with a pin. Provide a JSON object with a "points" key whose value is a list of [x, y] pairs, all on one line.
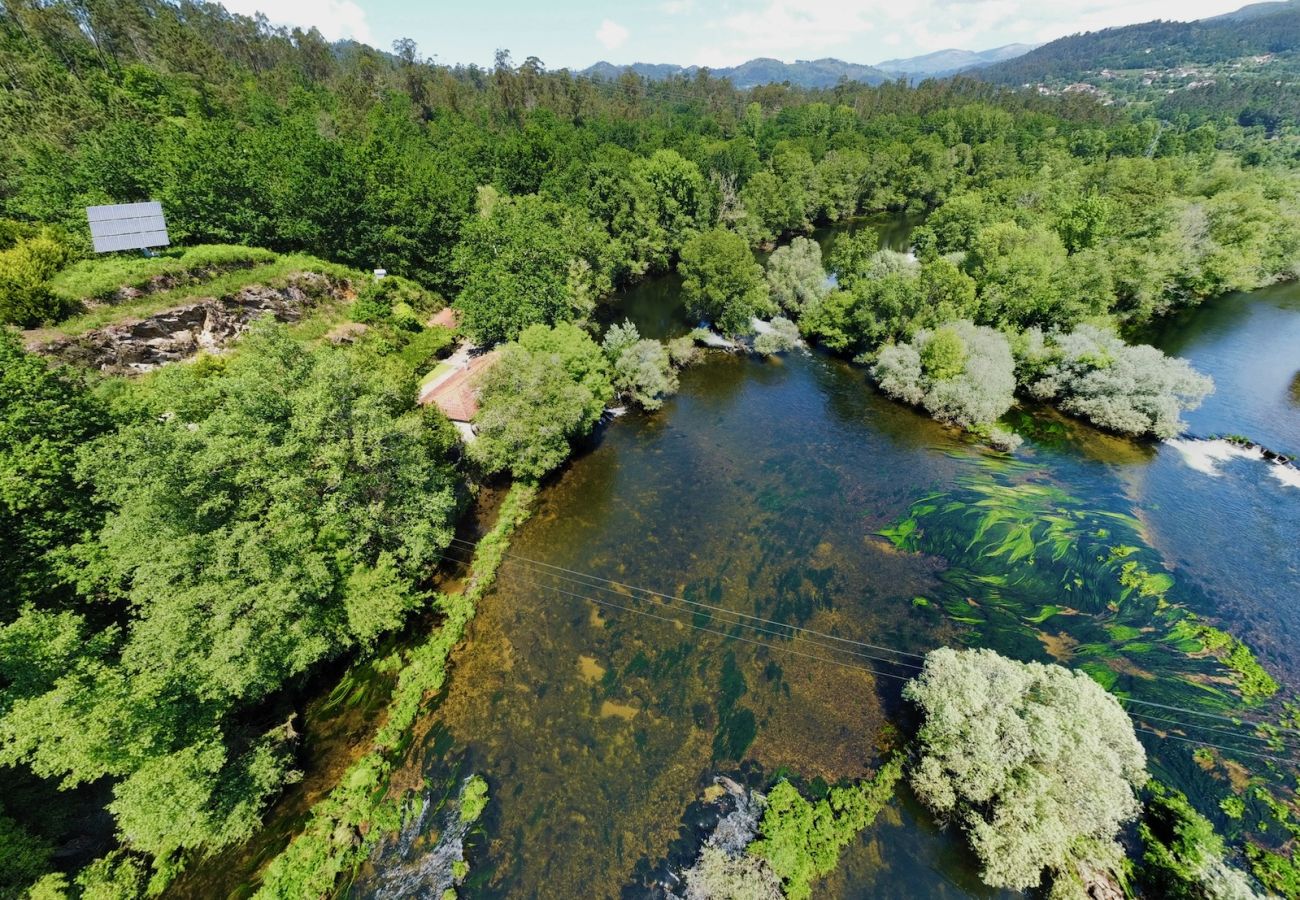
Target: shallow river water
{"points": [[599, 717]]}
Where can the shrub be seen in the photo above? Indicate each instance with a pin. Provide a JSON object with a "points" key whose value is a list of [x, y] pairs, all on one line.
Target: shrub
{"points": [[1036, 764], [473, 799], [802, 839], [961, 373], [744, 877], [1117, 386], [783, 337], [25, 272]]}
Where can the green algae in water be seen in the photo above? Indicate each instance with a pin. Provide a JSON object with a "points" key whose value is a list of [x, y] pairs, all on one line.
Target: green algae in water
{"points": [[1037, 573]]}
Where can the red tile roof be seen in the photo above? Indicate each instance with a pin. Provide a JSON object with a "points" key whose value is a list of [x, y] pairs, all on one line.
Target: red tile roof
{"points": [[457, 394]]}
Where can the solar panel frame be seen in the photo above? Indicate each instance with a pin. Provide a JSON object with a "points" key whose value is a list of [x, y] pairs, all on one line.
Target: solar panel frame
{"points": [[127, 226]]}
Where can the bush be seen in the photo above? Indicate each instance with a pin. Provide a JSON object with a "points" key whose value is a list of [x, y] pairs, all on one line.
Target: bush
{"points": [[25, 271], [716, 874], [961, 373], [783, 337], [1036, 764], [1130, 389], [802, 839], [795, 275]]}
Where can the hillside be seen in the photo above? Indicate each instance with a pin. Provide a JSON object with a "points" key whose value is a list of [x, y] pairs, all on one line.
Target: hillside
{"points": [[946, 62], [1243, 65], [804, 73]]}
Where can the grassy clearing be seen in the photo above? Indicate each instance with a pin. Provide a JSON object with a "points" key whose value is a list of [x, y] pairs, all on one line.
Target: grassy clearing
{"points": [[271, 274], [100, 278]]}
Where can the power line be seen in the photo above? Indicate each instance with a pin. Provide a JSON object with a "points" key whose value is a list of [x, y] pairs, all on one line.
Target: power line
{"points": [[724, 634], [530, 566], [1232, 750], [721, 609], [796, 628]]}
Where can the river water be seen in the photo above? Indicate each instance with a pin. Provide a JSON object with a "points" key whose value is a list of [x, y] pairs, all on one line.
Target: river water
{"points": [[599, 717]]}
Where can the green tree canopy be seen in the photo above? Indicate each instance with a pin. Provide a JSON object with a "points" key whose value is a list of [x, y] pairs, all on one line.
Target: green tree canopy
{"points": [[547, 389], [529, 260], [721, 281]]}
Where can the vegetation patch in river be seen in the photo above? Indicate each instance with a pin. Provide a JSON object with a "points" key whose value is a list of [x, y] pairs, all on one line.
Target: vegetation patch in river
{"points": [[1038, 574]]}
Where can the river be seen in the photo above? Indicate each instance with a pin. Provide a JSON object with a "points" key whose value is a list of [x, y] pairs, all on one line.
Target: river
{"points": [[761, 488]]}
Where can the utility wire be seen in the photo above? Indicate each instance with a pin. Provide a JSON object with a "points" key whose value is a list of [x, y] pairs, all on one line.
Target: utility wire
{"points": [[530, 566], [718, 609], [795, 628]]}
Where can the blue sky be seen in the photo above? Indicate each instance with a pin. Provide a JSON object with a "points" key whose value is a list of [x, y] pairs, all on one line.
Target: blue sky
{"points": [[576, 33]]}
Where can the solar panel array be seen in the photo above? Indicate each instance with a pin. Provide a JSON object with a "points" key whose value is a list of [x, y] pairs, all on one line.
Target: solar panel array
{"points": [[127, 226]]}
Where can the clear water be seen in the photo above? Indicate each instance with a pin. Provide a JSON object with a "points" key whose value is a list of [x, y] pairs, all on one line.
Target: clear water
{"points": [[759, 489]]}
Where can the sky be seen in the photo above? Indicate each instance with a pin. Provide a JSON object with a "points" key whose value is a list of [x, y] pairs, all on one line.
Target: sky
{"points": [[576, 33]]}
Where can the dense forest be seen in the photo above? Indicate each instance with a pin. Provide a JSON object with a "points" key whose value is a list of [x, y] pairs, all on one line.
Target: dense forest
{"points": [[181, 551]]}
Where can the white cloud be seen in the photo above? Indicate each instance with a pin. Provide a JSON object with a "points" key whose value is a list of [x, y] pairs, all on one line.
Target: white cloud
{"points": [[611, 34], [336, 19], [676, 7]]}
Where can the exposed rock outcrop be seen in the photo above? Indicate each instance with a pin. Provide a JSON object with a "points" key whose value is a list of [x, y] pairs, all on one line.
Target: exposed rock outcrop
{"points": [[141, 345]]}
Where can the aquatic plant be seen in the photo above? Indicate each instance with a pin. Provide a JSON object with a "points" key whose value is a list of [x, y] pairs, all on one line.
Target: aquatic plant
{"points": [[802, 839], [1039, 574]]}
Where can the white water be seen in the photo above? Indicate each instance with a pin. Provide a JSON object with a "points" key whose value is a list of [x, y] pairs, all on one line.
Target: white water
{"points": [[1207, 456]]}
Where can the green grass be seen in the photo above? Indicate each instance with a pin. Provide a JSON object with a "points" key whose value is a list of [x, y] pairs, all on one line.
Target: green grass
{"points": [[272, 274], [100, 278], [437, 371]]}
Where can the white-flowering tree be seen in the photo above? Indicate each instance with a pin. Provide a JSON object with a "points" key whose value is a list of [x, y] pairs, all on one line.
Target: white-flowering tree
{"points": [[1134, 389], [961, 373], [1036, 764]]}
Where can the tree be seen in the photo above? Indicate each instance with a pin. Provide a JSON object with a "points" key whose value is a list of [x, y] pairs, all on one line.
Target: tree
{"points": [[961, 373], [721, 281], [1037, 765], [795, 275], [530, 261], [547, 389], [641, 370], [1117, 386], [677, 194], [45, 415]]}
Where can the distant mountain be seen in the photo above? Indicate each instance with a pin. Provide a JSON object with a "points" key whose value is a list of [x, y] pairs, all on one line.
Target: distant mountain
{"points": [[1256, 30], [946, 62], [1254, 11], [814, 73]]}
